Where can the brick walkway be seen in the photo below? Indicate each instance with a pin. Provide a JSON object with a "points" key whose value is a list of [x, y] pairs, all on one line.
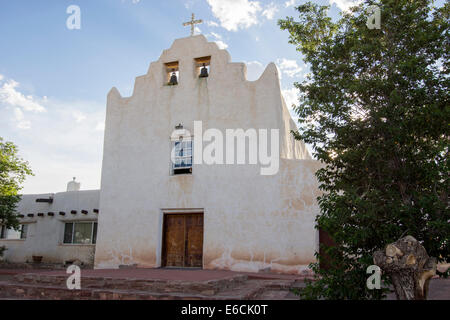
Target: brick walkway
{"points": [[164, 284], [161, 274], [136, 284]]}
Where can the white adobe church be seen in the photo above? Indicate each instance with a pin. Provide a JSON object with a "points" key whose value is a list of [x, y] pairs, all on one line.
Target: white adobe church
{"points": [[158, 206]]}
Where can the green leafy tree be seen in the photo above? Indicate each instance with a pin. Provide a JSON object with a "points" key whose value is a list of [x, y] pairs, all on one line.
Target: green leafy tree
{"points": [[13, 171], [375, 108]]}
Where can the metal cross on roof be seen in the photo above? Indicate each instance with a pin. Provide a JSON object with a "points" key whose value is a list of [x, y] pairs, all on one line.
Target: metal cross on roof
{"points": [[192, 23]]}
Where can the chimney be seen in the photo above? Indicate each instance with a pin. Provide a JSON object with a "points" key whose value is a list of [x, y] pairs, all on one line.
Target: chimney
{"points": [[73, 185]]}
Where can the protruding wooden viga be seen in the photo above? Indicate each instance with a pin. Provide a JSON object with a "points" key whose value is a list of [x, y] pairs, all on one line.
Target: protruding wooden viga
{"points": [[408, 265]]}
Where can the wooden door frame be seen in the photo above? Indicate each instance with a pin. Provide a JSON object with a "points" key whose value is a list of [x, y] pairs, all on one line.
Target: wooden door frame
{"points": [[167, 212]]}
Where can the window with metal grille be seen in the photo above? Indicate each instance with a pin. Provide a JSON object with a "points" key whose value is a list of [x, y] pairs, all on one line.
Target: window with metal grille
{"points": [[182, 161]]}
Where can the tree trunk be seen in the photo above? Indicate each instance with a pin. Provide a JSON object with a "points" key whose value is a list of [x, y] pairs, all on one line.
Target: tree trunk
{"points": [[408, 265]]}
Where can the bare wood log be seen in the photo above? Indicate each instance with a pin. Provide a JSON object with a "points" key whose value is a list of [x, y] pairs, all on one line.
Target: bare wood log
{"points": [[392, 251], [408, 265]]}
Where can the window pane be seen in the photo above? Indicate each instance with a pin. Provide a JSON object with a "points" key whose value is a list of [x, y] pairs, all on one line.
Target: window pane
{"points": [[68, 232], [23, 233], [94, 236], [12, 234], [187, 144], [83, 233], [183, 155]]}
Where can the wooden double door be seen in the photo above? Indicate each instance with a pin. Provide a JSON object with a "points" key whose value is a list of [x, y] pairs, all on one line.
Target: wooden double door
{"points": [[183, 240]]}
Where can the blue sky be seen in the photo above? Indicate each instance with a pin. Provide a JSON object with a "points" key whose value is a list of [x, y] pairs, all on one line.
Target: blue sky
{"points": [[54, 81]]}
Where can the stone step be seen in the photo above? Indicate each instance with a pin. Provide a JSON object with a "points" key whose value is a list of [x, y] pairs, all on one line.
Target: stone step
{"points": [[12, 290], [209, 287], [238, 287], [257, 290], [278, 295]]}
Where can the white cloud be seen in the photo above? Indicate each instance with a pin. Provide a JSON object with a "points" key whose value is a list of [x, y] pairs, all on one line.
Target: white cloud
{"points": [[20, 119], [61, 140], [236, 14], [12, 98], [289, 67], [344, 5], [222, 45], [270, 11], [216, 35], [100, 126], [79, 116], [290, 3], [254, 70], [65, 141], [197, 30], [212, 24], [217, 38], [188, 4], [290, 96]]}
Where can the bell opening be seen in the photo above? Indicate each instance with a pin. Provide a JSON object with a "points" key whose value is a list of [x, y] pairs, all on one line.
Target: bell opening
{"points": [[203, 66], [172, 73]]}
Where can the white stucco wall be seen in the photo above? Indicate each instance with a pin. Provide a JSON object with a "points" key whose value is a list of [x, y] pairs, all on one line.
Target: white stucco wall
{"points": [[45, 234], [250, 221]]}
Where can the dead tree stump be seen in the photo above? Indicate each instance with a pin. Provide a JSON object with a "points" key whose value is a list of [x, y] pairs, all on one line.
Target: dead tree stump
{"points": [[408, 265]]}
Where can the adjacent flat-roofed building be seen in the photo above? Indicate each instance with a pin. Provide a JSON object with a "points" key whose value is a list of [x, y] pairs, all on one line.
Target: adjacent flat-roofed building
{"points": [[60, 228]]}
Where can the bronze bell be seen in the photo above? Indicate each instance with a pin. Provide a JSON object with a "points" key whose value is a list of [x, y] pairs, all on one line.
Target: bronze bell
{"points": [[173, 78], [204, 72]]}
